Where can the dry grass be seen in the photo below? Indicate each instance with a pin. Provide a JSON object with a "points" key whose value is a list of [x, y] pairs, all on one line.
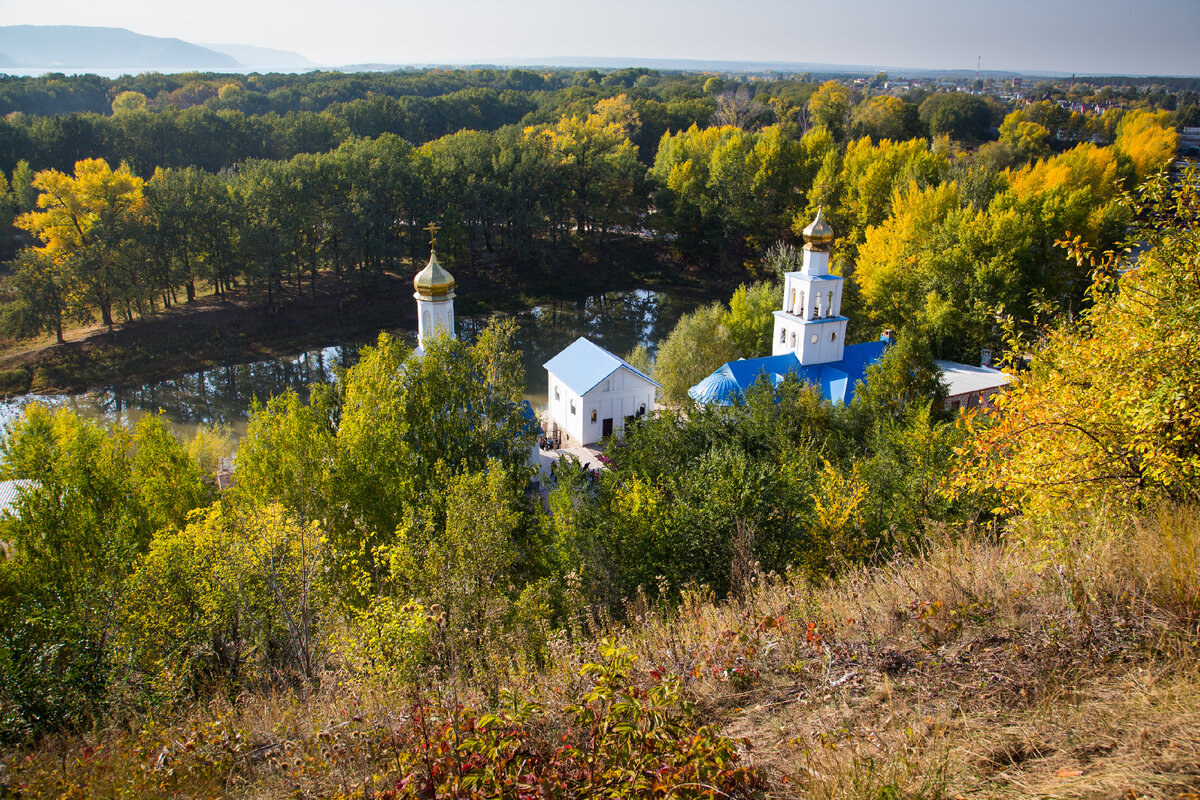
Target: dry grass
{"points": [[1052, 666]]}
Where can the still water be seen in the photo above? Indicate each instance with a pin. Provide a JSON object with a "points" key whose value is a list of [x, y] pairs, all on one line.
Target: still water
{"points": [[617, 321]]}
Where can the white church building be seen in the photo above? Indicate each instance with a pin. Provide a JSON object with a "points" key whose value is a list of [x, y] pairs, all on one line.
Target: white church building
{"points": [[592, 394]]}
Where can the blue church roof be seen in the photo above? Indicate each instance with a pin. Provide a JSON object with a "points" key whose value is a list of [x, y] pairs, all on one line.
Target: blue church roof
{"points": [[583, 365], [728, 384]]}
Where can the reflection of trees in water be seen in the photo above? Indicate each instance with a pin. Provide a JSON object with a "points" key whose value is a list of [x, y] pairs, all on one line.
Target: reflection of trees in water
{"points": [[224, 394]]}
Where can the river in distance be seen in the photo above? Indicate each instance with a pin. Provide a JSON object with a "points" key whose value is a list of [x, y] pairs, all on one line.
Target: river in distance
{"points": [[617, 321]]}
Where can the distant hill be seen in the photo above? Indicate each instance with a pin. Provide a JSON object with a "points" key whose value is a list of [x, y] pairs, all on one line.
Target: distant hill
{"points": [[261, 58], [66, 46]]}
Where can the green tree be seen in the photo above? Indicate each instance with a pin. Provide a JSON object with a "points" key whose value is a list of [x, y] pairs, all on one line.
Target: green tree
{"points": [[829, 107], [963, 117], [91, 502], [127, 102], [883, 117], [697, 345]]}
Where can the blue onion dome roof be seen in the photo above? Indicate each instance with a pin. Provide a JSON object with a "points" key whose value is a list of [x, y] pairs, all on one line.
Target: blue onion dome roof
{"points": [[720, 388]]}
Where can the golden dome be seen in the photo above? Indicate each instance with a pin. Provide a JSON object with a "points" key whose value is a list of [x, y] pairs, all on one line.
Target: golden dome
{"points": [[818, 235], [433, 281]]}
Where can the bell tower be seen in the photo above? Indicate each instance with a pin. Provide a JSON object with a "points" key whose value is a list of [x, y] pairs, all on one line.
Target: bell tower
{"points": [[434, 295], [811, 324]]}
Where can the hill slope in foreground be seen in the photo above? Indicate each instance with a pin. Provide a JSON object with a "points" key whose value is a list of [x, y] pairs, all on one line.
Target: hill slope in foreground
{"points": [[981, 669]]}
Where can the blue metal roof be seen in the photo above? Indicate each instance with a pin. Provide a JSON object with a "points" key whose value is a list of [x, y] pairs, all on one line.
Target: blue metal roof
{"points": [[583, 365], [727, 385], [720, 388]]}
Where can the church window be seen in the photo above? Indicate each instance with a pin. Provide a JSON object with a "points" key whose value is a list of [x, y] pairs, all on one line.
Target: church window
{"points": [[782, 336], [792, 306], [813, 338], [593, 415], [833, 337], [556, 397], [798, 308], [793, 341], [642, 410], [572, 407], [428, 322]]}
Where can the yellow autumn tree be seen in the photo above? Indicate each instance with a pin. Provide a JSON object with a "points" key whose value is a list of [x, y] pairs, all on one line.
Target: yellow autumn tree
{"points": [[85, 225], [1109, 411], [1148, 139], [596, 162]]}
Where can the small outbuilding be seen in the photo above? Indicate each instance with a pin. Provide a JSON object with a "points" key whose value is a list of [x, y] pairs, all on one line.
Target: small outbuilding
{"points": [[970, 387], [593, 393]]}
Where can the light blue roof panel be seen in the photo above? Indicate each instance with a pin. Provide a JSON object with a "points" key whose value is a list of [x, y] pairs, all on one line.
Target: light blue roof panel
{"points": [[582, 365]]}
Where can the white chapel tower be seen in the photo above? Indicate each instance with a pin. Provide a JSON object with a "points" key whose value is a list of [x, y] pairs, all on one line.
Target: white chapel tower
{"points": [[435, 296], [811, 324]]}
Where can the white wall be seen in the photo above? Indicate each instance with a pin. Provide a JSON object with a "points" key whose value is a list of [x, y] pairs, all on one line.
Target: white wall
{"points": [[621, 395], [434, 316]]}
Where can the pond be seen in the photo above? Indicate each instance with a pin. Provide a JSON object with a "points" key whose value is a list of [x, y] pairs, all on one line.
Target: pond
{"points": [[617, 321]]}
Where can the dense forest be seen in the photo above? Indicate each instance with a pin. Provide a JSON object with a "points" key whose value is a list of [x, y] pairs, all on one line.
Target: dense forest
{"points": [[206, 183], [385, 603]]}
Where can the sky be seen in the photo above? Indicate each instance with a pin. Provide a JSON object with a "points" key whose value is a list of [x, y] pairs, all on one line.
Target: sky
{"points": [[1138, 37]]}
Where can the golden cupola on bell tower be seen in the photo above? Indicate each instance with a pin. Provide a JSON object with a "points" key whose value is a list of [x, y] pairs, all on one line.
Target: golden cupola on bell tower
{"points": [[434, 293]]}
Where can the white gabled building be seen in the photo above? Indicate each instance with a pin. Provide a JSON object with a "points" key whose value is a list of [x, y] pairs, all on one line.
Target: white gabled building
{"points": [[593, 393]]}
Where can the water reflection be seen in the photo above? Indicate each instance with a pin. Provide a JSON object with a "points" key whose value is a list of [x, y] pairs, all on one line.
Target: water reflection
{"points": [[617, 321]]}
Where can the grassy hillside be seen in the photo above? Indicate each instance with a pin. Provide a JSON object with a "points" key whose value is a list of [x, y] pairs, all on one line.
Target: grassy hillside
{"points": [[1055, 662]]}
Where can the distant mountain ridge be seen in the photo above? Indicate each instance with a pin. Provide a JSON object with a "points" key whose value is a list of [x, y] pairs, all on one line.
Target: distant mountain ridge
{"points": [[262, 57], [67, 46]]}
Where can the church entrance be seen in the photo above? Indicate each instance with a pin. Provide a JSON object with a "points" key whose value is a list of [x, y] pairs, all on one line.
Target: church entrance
{"points": [[607, 427]]}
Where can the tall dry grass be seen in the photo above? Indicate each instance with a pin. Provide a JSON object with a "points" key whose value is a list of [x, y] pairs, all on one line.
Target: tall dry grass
{"points": [[1053, 661]]}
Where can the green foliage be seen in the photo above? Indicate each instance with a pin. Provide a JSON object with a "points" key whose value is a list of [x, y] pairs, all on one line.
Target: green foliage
{"points": [[363, 457], [698, 344], [238, 598], [90, 505], [963, 117], [903, 380]]}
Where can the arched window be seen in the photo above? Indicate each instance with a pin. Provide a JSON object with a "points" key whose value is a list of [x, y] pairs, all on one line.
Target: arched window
{"points": [[593, 415], [793, 341], [782, 336], [428, 323], [556, 397], [792, 305], [798, 308], [642, 410], [833, 337], [572, 407]]}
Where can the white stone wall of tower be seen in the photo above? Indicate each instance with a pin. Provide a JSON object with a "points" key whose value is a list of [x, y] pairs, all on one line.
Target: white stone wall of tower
{"points": [[809, 322], [434, 315]]}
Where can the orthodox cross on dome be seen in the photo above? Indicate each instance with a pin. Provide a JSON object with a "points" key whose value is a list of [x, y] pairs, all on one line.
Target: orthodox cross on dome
{"points": [[433, 229]]}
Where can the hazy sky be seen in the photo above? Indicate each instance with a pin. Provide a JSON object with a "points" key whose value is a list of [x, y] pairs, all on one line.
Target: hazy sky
{"points": [[1083, 36]]}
